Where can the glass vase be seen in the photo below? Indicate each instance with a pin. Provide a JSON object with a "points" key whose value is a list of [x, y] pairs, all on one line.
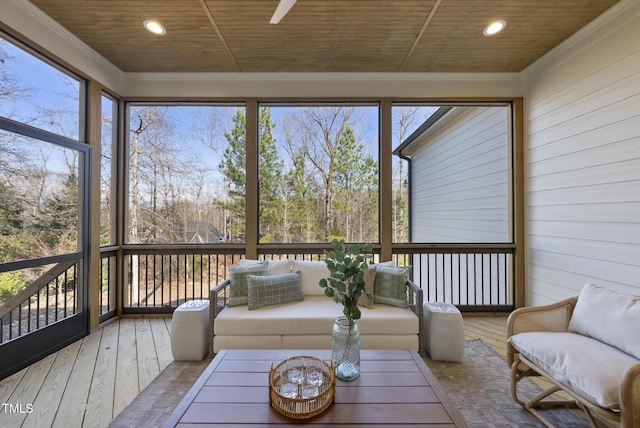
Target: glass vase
{"points": [[345, 347]]}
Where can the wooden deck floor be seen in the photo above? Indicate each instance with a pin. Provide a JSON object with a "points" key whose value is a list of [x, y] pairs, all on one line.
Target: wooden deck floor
{"points": [[88, 383]]}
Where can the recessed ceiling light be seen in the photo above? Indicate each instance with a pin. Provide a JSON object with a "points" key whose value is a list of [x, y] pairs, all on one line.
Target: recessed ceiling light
{"points": [[494, 28], [154, 27]]}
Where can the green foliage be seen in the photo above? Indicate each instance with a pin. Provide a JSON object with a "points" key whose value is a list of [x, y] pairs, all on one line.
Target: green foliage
{"points": [[10, 210], [346, 280], [356, 186], [57, 222], [10, 284], [233, 166], [269, 175]]}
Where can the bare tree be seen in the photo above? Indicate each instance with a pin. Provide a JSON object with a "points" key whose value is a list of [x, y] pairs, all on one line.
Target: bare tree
{"points": [[405, 118], [321, 129]]}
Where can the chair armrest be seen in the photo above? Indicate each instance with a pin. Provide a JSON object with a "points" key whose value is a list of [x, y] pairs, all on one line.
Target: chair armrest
{"points": [[415, 295], [630, 397], [218, 297], [554, 317], [549, 318]]}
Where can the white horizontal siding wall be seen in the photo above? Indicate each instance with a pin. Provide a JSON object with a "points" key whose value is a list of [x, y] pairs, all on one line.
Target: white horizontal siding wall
{"points": [[582, 121], [459, 180], [460, 193]]}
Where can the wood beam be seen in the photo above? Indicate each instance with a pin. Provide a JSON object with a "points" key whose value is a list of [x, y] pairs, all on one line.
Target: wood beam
{"points": [[386, 181], [252, 198], [94, 128], [518, 198]]}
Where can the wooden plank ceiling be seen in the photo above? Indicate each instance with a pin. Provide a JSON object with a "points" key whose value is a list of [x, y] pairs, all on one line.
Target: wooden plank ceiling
{"points": [[323, 35]]}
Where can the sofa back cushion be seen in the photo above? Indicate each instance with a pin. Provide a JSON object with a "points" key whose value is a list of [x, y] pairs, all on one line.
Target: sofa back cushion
{"points": [[274, 267], [608, 316], [311, 274]]}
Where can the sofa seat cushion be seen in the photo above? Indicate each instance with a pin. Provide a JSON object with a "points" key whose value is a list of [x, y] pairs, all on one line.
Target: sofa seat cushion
{"points": [[590, 368], [314, 315]]}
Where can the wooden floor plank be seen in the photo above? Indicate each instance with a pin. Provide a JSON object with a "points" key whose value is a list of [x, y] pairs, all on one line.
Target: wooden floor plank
{"points": [[148, 367], [75, 397], [99, 410], [48, 400], [108, 372], [126, 386], [8, 385], [493, 331], [161, 341], [27, 390]]}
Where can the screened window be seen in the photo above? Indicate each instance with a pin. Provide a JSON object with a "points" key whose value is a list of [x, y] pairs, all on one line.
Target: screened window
{"points": [[36, 94], [187, 178], [459, 175], [107, 155], [42, 166], [318, 173]]}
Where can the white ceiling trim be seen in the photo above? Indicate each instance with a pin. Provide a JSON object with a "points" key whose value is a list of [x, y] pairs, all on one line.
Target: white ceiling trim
{"points": [[332, 85]]}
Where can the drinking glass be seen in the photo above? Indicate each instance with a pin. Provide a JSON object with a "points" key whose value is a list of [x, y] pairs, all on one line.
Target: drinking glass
{"points": [[309, 390], [295, 373], [313, 372], [287, 387]]}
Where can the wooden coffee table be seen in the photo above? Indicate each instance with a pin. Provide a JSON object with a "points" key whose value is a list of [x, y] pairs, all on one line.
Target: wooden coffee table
{"points": [[394, 388]]}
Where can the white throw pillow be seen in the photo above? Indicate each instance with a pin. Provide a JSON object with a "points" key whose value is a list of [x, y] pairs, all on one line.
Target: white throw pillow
{"points": [[312, 273], [608, 316]]}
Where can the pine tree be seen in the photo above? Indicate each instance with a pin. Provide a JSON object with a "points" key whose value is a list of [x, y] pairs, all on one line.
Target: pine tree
{"points": [[233, 166], [356, 190], [57, 221], [10, 211], [300, 204], [269, 177]]}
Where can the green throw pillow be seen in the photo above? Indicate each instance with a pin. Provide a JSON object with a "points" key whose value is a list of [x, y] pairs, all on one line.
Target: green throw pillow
{"points": [[369, 281], [390, 287], [274, 289], [239, 291]]}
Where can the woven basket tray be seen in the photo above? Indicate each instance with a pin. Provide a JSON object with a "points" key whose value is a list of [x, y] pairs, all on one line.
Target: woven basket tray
{"points": [[299, 407]]}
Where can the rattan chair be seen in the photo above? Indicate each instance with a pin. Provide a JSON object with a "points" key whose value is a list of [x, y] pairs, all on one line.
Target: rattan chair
{"points": [[555, 318]]}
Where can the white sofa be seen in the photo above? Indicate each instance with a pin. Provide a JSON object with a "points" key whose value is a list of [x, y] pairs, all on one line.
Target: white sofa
{"points": [[587, 346], [307, 324]]}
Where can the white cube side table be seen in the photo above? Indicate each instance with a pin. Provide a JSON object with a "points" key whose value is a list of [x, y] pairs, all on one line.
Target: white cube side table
{"points": [[444, 331], [190, 331]]}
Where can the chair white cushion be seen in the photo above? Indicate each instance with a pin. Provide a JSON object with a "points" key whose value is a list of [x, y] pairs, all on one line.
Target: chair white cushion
{"points": [[608, 316], [590, 368]]}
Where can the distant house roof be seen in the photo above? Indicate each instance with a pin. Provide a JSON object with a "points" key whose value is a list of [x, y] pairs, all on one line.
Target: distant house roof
{"points": [[431, 121], [202, 232]]}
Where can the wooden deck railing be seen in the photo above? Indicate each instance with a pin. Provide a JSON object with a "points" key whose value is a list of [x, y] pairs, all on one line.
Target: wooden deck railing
{"points": [[474, 277], [49, 299]]}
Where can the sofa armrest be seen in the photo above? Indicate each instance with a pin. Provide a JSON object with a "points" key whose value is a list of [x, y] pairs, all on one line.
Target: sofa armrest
{"points": [[415, 295], [548, 318], [218, 298], [630, 397]]}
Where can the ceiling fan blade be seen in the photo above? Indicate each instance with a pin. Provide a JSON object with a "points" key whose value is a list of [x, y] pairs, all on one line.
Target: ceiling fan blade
{"points": [[283, 7]]}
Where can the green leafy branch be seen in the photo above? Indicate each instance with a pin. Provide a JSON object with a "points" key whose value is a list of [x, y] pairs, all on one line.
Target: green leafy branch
{"points": [[346, 280]]}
